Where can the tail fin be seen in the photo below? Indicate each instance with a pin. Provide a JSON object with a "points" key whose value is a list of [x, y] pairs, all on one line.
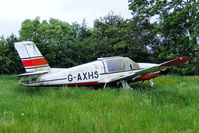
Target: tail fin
{"points": [[31, 57]]}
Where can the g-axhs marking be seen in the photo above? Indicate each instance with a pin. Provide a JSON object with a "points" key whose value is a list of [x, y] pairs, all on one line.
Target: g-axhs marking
{"points": [[103, 71]]}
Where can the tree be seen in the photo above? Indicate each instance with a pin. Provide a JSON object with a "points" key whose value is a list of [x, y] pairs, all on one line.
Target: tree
{"points": [[56, 39], [177, 27], [9, 60], [114, 36]]}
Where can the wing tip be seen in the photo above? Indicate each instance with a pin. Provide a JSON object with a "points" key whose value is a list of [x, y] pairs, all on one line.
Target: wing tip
{"points": [[176, 62]]}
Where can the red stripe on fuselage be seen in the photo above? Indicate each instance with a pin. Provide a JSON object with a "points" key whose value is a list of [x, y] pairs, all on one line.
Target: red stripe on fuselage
{"points": [[34, 62], [73, 84]]}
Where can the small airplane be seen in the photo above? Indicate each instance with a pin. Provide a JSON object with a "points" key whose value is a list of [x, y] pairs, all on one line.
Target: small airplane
{"points": [[104, 71]]}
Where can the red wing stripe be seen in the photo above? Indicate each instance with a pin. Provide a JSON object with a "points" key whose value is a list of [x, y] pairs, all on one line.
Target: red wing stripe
{"points": [[175, 62], [34, 62], [149, 76]]}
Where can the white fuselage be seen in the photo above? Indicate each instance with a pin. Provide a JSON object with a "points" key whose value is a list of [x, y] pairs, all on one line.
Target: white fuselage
{"points": [[92, 73]]}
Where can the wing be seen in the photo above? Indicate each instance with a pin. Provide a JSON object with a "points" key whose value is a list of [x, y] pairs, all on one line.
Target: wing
{"points": [[153, 71]]}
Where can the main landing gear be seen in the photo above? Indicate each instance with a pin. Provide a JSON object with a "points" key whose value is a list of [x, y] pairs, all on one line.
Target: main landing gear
{"points": [[151, 83], [125, 84]]}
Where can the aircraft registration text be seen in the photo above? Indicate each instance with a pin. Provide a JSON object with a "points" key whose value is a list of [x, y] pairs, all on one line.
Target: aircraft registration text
{"points": [[83, 76]]}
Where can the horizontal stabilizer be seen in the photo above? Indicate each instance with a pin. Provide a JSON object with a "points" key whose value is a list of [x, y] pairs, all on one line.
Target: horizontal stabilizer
{"points": [[32, 74]]}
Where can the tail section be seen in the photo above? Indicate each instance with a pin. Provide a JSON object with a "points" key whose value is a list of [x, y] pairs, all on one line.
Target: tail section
{"points": [[32, 59]]}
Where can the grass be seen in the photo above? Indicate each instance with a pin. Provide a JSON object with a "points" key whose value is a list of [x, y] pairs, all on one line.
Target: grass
{"points": [[172, 105]]}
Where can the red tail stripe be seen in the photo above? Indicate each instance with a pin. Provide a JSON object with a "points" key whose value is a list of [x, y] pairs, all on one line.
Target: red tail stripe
{"points": [[34, 62]]}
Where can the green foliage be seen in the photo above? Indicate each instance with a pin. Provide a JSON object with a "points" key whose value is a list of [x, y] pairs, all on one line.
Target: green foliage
{"points": [[176, 28], [114, 36], [58, 41], [170, 106], [76, 44], [9, 59]]}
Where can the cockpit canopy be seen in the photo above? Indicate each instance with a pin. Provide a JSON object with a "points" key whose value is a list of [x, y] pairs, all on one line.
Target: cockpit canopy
{"points": [[118, 64]]}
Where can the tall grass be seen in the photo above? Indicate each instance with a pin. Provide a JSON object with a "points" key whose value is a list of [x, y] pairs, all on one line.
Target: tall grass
{"points": [[172, 105]]}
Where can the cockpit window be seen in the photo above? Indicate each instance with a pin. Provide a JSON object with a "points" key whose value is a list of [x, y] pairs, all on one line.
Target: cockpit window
{"points": [[116, 65]]}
